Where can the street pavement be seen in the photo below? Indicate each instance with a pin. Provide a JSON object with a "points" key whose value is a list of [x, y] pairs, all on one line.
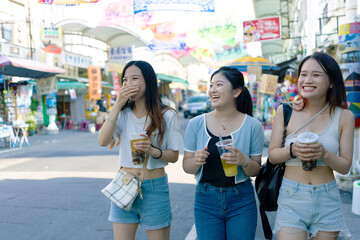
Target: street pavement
{"points": [[51, 190]]}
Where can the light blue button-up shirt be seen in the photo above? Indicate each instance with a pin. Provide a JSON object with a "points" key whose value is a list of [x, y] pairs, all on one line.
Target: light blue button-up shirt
{"points": [[248, 138]]}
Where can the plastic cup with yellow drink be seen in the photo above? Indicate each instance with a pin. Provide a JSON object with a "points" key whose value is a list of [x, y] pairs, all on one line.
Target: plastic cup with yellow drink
{"points": [[138, 156], [229, 169]]}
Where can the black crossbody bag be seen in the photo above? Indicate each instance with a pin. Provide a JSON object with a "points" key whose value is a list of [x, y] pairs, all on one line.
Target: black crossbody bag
{"points": [[268, 182]]}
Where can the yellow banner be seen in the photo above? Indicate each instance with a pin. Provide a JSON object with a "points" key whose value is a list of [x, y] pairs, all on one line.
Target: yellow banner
{"points": [[344, 29]]}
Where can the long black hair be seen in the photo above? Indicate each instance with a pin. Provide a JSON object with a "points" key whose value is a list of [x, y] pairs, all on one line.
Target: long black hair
{"points": [[244, 100], [336, 94], [154, 105]]}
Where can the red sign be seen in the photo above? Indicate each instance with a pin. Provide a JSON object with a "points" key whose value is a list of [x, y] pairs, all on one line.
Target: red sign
{"points": [[262, 29], [116, 82]]}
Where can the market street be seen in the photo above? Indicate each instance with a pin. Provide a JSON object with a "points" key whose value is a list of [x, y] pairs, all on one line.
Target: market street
{"points": [[51, 190]]}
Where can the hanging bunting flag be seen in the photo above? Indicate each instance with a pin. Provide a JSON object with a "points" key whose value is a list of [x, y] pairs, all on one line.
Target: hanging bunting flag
{"points": [[175, 5]]}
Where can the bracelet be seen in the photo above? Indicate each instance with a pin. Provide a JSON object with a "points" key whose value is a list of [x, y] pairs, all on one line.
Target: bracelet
{"points": [[291, 153], [248, 163], [113, 122], [159, 150]]}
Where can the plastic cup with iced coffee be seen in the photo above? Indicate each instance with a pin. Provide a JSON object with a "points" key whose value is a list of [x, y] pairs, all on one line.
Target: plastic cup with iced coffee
{"points": [[138, 156], [229, 169], [308, 138]]}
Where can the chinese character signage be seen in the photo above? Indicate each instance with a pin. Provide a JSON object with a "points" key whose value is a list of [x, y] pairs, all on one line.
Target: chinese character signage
{"points": [[51, 39], [76, 60], [268, 84], [46, 85], [94, 75], [121, 54], [262, 29], [70, 70]]}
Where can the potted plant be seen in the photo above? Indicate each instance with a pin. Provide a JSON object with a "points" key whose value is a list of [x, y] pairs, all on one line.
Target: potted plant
{"points": [[31, 119]]}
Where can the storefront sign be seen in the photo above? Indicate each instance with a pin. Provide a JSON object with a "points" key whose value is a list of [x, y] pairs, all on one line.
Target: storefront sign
{"points": [[116, 82], [262, 29], [94, 76], [268, 84], [72, 94], [349, 62], [349, 28], [254, 70], [71, 70], [51, 104], [75, 60], [46, 85], [122, 53], [51, 39]]}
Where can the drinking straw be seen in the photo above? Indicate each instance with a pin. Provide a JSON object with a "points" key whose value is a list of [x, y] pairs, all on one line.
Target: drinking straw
{"points": [[221, 140]]}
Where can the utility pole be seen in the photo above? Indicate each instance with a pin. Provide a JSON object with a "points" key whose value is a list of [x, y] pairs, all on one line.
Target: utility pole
{"points": [[30, 34]]}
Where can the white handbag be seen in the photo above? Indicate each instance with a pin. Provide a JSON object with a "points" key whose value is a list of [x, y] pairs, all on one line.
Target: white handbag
{"points": [[125, 187]]}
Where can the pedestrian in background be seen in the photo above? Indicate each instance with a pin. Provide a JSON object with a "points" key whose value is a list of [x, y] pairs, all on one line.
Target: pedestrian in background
{"points": [[101, 110], [309, 204], [138, 107], [225, 206]]}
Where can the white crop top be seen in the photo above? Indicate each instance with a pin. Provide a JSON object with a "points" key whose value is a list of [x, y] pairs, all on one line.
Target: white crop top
{"points": [[127, 122], [329, 138]]}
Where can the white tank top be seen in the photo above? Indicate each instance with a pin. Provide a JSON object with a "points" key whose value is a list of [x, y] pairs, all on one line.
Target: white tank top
{"points": [[329, 138]]}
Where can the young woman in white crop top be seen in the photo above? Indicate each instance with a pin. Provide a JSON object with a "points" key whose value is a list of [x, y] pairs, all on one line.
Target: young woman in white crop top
{"points": [[138, 107], [309, 205]]}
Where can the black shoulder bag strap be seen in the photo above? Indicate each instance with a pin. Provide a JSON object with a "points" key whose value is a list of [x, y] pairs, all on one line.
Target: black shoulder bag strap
{"points": [[264, 219]]}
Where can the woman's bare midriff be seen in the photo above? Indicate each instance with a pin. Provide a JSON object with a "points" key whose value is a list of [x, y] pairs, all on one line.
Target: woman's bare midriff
{"points": [[150, 173], [319, 175]]}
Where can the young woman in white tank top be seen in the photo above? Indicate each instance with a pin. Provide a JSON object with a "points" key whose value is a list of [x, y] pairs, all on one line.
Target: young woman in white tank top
{"points": [[304, 194]]}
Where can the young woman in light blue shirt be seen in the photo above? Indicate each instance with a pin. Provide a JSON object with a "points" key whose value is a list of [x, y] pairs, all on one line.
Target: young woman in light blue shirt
{"points": [[225, 207]]}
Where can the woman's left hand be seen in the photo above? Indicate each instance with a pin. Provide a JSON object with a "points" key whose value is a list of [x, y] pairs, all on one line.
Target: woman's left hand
{"points": [[311, 151], [235, 156], [144, 145]]}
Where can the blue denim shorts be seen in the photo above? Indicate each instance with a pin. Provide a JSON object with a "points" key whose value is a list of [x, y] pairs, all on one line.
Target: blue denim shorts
{"points": [[225, 212], [311, 208], [152, 212]]}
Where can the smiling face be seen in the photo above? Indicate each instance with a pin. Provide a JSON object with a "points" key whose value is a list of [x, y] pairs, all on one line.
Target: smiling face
{"points": [[313, 82], [133, 76], [221, 92]]}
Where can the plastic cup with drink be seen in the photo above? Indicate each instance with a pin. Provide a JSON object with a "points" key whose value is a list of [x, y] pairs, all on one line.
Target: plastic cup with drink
{"points": [[308, 138], [138, 156], [229, 169]]}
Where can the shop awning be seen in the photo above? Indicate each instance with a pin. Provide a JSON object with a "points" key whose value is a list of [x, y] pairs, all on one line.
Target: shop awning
{"points": [[65, 84], [168, 78], [27, 68], [107, 85], [70, 85]]}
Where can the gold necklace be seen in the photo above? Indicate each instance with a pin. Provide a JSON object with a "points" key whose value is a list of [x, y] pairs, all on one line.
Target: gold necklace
{"points": [[222, 125]]}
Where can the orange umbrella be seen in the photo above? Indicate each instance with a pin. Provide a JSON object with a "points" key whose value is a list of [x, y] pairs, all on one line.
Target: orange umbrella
{"points": [[244, 62]]}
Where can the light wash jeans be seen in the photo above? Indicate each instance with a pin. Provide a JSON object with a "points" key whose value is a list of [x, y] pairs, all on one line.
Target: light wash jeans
{"points": [[225, 212]]}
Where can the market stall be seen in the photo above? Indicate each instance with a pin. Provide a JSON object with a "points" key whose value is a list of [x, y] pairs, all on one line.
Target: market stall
{"points": [[16, 91]]}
